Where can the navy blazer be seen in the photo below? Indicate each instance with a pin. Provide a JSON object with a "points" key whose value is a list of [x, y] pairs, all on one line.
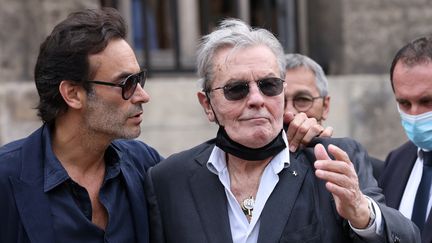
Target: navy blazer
{"points": [[394, 177], [24, 207], [188, 204]]}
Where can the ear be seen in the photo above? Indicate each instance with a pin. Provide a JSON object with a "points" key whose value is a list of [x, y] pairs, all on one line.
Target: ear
{"points": [[72, 94], [205, 103], [326, 108]]}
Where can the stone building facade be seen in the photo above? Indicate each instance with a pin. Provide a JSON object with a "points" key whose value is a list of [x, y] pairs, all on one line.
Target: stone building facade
{"points": [[362, 36], [354, 40]]}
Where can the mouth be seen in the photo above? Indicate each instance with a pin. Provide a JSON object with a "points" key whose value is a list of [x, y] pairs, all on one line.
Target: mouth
{"points": [[254, 118], [136, 117]]}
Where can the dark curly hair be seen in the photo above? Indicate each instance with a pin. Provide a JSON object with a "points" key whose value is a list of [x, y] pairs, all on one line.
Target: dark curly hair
{"points": [[64, 55], [418, 51]]}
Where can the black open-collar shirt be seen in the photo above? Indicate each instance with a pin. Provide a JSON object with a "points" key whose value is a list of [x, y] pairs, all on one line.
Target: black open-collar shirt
{"points": [[71, 207]]}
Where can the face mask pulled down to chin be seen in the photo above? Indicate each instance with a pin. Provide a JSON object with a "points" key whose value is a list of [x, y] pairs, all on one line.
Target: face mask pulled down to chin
{"points": [[418, 128]]}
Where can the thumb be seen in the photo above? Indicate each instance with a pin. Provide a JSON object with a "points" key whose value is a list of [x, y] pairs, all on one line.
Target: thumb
{"points": [[321, 153]]}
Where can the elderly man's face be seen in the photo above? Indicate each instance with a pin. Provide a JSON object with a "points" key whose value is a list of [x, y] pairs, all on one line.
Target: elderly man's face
{"points": [[413, 87], [106, 113], [302, 94], [257, 119]]}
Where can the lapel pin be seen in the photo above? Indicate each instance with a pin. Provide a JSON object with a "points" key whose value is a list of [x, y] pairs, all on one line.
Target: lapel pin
{"points": [[294, 173]]}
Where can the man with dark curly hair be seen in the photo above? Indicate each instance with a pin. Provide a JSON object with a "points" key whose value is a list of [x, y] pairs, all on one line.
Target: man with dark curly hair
{"points": [[73, 180]]}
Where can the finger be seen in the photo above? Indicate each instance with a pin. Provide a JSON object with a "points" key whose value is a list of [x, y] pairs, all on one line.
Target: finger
{"points": [[288, 117], [327, 132], [334, 177], [306, 131], [338, 153], [337, 191], [312, 132], [336, 166], [294, 124], [321, 153], [295, 131]]}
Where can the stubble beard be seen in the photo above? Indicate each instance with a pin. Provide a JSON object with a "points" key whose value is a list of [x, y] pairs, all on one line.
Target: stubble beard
{"points": [[108, 120]]}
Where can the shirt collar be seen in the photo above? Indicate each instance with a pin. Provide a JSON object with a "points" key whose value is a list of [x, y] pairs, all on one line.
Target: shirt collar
{"points": [[54, 172], [217, 160], [420, 153]]}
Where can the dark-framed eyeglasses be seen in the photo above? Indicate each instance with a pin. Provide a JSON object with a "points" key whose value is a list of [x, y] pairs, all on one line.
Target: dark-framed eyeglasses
{"points": [[304, 102], [128, 85], [238, 90]]}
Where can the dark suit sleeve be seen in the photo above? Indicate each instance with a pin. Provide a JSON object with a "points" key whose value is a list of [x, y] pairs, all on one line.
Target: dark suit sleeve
{"points": [[398, 228], [155, 221]]}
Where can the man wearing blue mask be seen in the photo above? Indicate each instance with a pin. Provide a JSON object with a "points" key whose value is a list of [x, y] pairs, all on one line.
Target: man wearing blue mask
{"points": [[407, 176]]}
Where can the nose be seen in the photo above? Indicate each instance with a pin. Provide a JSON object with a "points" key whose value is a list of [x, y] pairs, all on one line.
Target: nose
{"points": [[140, 95], [255, 97]]}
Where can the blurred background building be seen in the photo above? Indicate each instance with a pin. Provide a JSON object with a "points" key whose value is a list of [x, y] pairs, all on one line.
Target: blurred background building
{"points": [[354, 41]]}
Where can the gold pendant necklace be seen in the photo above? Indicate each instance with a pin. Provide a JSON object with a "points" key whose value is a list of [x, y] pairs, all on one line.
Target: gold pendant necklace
{"points": [[248, 206]]}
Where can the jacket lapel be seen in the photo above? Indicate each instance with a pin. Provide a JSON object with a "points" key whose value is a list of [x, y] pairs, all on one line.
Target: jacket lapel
{"points": [[274, 217], [402, 167], [31, 201], [136, 201], [209, 196], [34, 211]]}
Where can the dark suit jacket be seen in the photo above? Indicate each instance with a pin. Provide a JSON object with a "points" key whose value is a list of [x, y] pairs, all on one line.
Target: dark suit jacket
{"points": [[24, 207], [397, 169], [377, 166], [187, 202]]}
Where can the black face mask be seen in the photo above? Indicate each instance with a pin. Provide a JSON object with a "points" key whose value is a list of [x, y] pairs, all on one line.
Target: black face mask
{"points": [[224, 142]]}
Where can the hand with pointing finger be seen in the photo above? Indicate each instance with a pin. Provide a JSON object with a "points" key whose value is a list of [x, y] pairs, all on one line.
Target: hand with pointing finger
{"points": [[342, 182]]}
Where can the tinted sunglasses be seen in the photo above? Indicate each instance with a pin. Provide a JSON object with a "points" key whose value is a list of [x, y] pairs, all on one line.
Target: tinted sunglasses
{"points": [[128, 85], [238, 90]]}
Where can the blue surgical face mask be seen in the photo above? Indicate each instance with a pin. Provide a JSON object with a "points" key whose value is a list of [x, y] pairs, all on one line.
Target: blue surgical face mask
{"points": [[418, 128]]}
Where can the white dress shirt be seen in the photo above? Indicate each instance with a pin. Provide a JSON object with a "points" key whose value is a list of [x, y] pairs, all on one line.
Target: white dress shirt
{"points": [[244, 231], [408, 197]]}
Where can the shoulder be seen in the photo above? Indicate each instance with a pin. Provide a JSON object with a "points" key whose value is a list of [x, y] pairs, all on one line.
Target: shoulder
{"points": [[406, 153], [349, 145], [137, 152], [12, 153], [187, 159], [405, 148], [10, 157]]}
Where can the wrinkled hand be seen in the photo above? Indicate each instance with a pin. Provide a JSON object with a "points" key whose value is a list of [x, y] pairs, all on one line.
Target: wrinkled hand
{"points": [[302, 130], [342, 183]]}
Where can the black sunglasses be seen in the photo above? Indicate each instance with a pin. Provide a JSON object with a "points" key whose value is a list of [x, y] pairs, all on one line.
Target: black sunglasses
{"points": [[240, 89], [128, 85]]}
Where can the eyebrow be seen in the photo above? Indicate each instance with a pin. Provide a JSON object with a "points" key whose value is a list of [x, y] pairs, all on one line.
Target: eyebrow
{"points": [[303, 92], [121, 76], [399, 100]]}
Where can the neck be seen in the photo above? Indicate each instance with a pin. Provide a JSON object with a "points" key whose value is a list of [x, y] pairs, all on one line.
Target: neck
{"points": [[78, 151], [238, 165], [245, 177]]}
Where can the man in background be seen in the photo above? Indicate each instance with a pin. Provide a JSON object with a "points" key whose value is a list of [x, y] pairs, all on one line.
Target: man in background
{"points": [[407, 175], [306, 87], [307, 91]]}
